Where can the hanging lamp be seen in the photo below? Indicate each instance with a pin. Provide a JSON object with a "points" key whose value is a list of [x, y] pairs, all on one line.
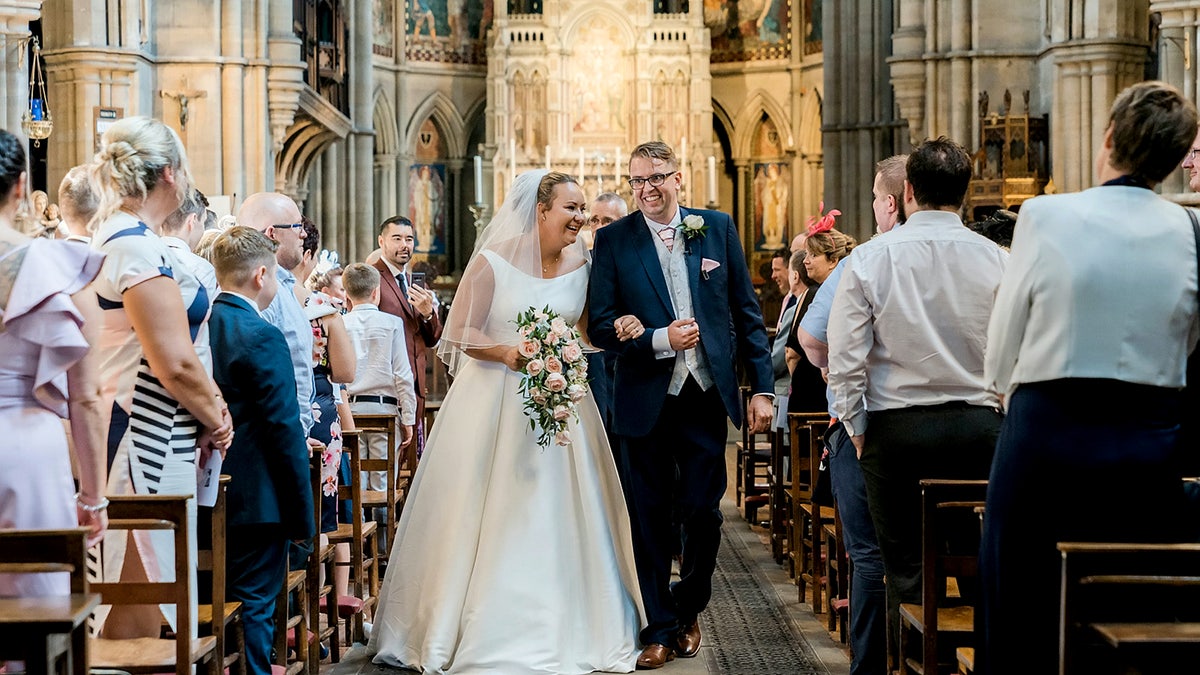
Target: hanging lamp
{"points": [[36, 121]]}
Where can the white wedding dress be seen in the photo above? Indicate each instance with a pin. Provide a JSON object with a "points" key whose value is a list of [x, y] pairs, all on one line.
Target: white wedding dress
{"points": [[511, 558]]}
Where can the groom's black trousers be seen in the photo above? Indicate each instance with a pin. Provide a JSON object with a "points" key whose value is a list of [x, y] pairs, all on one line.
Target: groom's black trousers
{"points": [[675, 480]]}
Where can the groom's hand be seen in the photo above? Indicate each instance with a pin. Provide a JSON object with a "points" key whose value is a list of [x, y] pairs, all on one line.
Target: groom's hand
{"points": [[759, 412], [683, 334]]}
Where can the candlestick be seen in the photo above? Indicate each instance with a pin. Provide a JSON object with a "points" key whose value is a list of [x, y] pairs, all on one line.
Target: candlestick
{"points": [[478, 179], [712, 179]]}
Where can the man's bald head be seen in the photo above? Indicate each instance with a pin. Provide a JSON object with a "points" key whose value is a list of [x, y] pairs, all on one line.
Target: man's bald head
{"points": [[278, 217], [798, 242]]}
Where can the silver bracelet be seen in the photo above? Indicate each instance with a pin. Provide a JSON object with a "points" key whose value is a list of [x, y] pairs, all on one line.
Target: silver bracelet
{"points": [[92, 508]]}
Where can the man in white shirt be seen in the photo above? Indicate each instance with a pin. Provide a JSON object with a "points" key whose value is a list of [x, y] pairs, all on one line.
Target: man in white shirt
{"points": [[383, 380], [907, 332]]}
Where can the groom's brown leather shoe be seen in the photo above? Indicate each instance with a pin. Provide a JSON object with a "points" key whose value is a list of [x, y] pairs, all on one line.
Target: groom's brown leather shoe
{"points": [[687, 640], [654, 656]]}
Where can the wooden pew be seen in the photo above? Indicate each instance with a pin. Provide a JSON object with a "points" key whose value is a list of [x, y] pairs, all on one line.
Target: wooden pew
{"points": [[210, 559], [949, 549], [1130, 607]]}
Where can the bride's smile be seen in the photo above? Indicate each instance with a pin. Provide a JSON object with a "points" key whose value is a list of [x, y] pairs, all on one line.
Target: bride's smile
{"points": [[560, 222]]}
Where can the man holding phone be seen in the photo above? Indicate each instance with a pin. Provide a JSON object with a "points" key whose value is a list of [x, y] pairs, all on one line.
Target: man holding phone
{"points": [[406, 295]]}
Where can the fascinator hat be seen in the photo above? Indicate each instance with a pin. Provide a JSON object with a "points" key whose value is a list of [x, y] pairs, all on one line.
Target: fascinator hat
{"points": [[822, 223]]}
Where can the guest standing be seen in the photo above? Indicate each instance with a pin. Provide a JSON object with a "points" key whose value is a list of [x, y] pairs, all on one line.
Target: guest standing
{"points": [[163, 403], [49, 321], [1096, 314]]}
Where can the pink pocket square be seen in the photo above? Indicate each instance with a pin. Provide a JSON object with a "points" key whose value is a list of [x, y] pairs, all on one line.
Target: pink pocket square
{"points": [[707, 265]]}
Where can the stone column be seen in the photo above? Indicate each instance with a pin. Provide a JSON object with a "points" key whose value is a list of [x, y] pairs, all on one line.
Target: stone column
{"points": [[458, 218], [743, 210], [233, 68]]}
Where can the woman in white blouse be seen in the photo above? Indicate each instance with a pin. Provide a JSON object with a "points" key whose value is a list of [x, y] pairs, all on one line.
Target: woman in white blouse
{"points": [[1088, 342]]}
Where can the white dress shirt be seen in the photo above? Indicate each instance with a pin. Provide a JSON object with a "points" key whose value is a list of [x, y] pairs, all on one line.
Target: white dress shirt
{"points": [[675, 273], [909, 319], [1102, 284], [286, 314], [383, 367]]}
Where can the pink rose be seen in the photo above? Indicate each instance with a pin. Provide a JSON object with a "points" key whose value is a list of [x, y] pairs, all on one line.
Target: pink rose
{"points": [[561, 412], [534, 367], [550, 339], [553, 364], [563, 438], [538, 396], [527, 348], [576, 392], [525, 331], [559, 327], [572, 352], [555, 382]]}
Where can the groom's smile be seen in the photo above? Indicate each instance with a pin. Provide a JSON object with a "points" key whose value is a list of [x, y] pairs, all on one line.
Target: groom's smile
{"points": [[656, 202]]}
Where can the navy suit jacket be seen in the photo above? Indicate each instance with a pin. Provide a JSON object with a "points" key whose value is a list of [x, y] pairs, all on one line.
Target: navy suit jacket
{"points": [[627, 278], [268, 461]]}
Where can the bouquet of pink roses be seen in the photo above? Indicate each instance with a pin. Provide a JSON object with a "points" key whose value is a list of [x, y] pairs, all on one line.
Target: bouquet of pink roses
{"points": [[555, 373]]}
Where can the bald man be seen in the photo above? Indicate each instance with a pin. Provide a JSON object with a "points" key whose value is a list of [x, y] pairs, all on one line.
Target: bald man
{"points": [[278, 217]]}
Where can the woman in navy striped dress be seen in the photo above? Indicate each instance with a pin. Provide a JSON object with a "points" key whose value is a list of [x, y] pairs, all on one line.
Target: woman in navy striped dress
{"points": [[164, 404]]}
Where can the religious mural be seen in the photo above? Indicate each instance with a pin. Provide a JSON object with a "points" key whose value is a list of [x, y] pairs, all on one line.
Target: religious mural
{"points": [[427, 205], [749, 30], [813, 30], [447, 31], [771, 217], [599, 90], [383, 39]]}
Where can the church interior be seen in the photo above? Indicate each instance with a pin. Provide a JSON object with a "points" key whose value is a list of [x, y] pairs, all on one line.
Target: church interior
{"points": [[778, 111]]}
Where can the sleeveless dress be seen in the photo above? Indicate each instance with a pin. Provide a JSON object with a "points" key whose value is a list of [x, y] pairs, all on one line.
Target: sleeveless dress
{"points": [[41, 339], [151, 437], [511, 558], [326, 426]]}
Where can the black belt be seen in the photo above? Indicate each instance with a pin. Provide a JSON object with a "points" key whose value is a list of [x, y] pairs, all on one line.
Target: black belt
{"points": [[386, 400]]}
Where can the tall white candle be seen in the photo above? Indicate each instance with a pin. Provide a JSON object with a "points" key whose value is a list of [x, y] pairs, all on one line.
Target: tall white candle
{"points": [[617, 166], [547, 157], [478, 179], [580, 172], [712, 179]]}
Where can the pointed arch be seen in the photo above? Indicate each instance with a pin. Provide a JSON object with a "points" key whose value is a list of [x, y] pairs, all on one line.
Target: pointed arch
{"points": [[387, 136], [611, 15], [438, 107], [760, 103], [811, 104]]}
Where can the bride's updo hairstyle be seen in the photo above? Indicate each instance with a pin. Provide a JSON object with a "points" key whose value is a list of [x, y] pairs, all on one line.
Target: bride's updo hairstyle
{"points": [[545, 193], [133, 154]]}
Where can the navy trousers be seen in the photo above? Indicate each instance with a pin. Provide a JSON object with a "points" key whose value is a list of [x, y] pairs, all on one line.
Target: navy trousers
{"points": [[868, 598], [1066, 450], [256, 568], [676, 478]]}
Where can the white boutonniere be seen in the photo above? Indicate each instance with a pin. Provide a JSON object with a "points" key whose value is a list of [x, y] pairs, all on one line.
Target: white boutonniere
{"points": [[694, 226]]}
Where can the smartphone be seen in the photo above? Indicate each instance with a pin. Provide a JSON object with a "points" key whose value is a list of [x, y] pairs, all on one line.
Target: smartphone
{"points": [[418, 279]]}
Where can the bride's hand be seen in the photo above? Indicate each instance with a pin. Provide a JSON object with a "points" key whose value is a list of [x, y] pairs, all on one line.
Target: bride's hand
{"points": [[514, 360], [628, 327]]}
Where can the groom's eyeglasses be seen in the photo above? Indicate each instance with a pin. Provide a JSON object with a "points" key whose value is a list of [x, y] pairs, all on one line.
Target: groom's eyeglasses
{"points": [[654, 179]]}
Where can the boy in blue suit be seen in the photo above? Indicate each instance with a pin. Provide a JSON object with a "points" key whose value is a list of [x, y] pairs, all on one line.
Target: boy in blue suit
{"points": [[270, 498]]}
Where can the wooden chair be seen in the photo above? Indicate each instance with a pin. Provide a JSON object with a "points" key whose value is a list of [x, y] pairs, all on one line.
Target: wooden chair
{"points": [[966, 660], [398, 473], [778, 496], [949, 549], [49, 634], [808, 432], [153, 655], [1129, 608], [319, 594], [837, 577], [753, 456], [360, 535], [292, 636], [210, 560]]}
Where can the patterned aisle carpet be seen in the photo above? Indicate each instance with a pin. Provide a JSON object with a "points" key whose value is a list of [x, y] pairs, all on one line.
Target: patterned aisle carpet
{"points": [[744, 625]]}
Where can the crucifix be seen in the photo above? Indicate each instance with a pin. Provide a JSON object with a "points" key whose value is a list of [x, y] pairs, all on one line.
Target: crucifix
{"points": [[184, 98]]}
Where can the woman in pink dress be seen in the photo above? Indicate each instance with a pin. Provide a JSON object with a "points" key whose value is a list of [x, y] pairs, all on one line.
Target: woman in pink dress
{"points": [[49, 320]]}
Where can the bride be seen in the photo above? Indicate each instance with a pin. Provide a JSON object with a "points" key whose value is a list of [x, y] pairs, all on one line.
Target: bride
{"points": [[511, 558]]}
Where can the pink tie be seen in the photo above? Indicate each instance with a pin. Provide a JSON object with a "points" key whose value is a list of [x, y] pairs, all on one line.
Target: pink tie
{"points": [[667, 234]]}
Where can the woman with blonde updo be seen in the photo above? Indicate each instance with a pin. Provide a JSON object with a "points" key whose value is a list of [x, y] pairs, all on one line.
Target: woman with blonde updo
{"points": [[163, 402], [825, 250]]}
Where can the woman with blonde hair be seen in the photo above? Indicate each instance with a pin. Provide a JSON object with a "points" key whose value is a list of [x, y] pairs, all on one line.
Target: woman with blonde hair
{"points": [[163, 402]]}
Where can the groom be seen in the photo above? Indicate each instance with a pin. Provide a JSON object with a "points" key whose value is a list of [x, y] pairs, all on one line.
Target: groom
{"points": [[683, 274]]}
